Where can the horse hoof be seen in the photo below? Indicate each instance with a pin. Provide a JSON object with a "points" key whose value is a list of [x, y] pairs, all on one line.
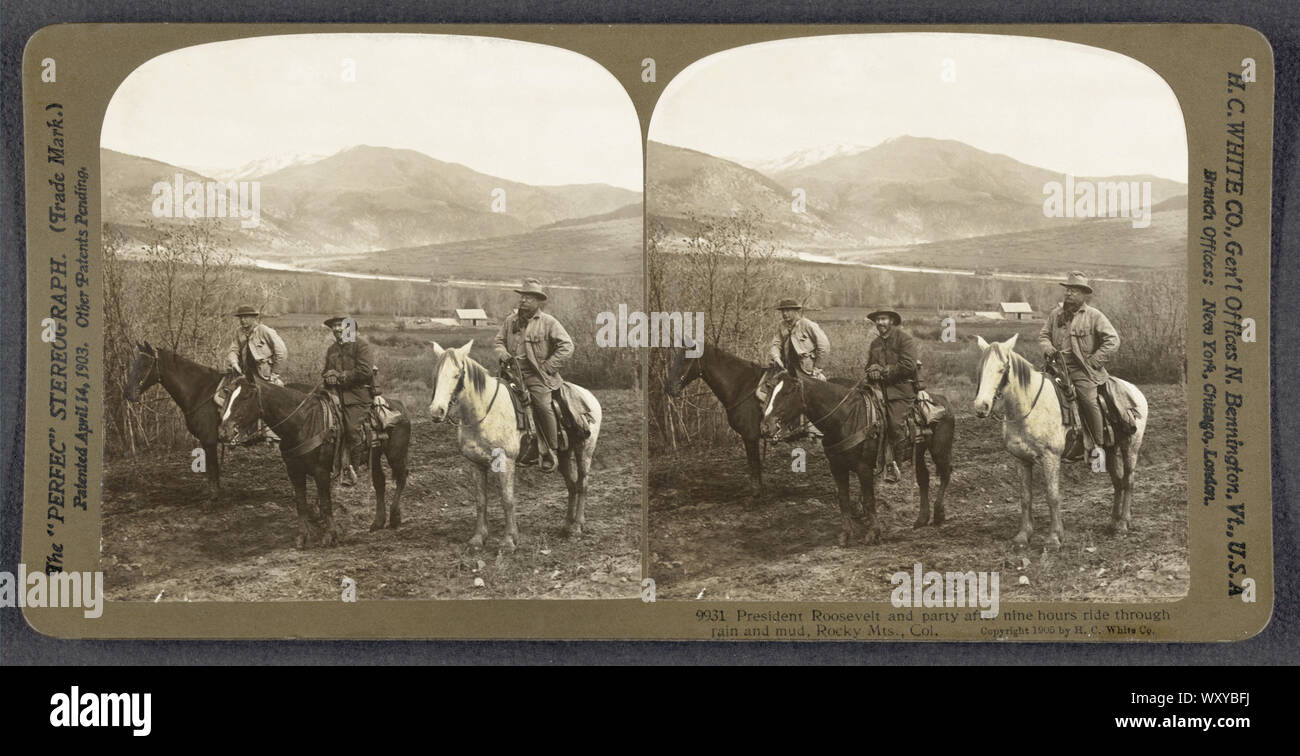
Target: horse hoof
{"points": [[302, 542], [844, 540], [394, 520], [938, 519], [1021, 540], [1119, 528], [508, 546], [920, 523], [376, 525], [476, 542], [572, 530], [1053, 543]]}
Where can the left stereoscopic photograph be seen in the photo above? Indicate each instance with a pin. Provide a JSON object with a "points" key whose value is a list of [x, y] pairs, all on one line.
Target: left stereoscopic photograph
{"points": [[352, 289]]}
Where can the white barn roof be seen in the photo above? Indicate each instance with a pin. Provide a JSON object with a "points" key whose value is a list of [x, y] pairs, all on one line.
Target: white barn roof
{"points": [[1010, 307], [477, 314]]}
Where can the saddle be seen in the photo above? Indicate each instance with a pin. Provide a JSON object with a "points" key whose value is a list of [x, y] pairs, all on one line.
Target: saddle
{"points": [[568, 424], [1116, 421]]}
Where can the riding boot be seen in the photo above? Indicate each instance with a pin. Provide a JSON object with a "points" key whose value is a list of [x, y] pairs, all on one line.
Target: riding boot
{"points": [[892, 473]]}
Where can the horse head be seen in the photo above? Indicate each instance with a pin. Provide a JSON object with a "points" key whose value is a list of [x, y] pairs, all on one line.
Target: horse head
{"points": [[241, 413], [449, 369], [144, 371], [784, 406], [681, 368], [995, 364]]}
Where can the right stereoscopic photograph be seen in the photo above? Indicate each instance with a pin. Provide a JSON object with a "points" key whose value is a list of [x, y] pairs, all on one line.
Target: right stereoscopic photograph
{"points": [[937, 294]]}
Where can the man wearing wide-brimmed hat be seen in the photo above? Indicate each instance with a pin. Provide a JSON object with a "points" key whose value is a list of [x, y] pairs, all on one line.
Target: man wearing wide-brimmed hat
{"points": [[891, 363], [536, 342], [257, 351], [349, 374], [1087, 340], [799, 343]]}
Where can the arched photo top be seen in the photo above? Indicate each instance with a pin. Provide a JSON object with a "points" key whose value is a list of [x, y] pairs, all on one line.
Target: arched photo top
{"points": [[520, 111], [1059, 106]]}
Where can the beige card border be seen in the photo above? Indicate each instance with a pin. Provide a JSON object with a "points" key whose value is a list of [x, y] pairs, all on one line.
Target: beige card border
{"points": [[93, 59]]}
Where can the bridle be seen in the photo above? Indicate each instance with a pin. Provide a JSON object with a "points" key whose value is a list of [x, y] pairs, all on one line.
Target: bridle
{"points": [[261, 411], [803, 402], [455, 397], [1002, 384]]}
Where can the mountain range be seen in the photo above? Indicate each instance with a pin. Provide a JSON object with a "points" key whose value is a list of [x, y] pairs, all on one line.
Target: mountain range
{"points": [[361, 199], [906, 190]]}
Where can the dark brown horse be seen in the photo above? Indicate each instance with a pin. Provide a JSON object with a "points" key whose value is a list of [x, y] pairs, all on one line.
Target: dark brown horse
{"points": [[191, 386], [853, 430], [309, 426], [733, 380], [779, 420]]}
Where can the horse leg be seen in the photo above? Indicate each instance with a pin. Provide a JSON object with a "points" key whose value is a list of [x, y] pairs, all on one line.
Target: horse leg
{"points": [[584, 473], [298, 476], [867, 483], [1052, 477], [329, 532], [478, 482], [380, 483], [922, 483], [397, 461], [841, 473], [569, 470], [507, 477], [1026, 503], [755, 468], [941, 452], [212, 456], [1130, 465]]}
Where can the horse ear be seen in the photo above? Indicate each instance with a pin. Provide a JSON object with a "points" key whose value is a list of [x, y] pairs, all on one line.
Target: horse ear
{"points": [[463, 351], [1011, 342], [437, 350], [984, 345]]}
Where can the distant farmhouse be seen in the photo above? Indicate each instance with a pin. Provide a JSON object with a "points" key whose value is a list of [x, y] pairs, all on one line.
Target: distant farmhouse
{"points": [[1019, 309], [474, 317]]}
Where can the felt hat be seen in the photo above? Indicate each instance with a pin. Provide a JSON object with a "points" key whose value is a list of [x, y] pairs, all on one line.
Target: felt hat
{"points": [[245, 310], [532, 286], [788, 304], [1077, 280], [898, 319], [330, 321]]}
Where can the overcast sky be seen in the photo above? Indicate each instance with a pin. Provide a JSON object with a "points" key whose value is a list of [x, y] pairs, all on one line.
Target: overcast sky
{"points": [[1056, 105], [520, 111]]}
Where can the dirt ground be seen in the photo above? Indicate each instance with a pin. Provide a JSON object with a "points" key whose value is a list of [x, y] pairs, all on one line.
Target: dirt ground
{"points": [[165, 538], [708, 540]]}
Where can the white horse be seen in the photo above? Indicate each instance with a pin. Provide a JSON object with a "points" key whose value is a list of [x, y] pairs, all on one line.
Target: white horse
{"points": [[490, 440], [1032, 431]]}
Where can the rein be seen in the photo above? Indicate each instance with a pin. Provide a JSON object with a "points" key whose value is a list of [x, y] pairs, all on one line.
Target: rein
{"points": [[455, 396], [803, 401], [284, 419], [1006, 375]]}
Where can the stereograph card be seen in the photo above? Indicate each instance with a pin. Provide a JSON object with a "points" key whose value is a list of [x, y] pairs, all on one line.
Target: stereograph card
{"points": [[783, 333]]}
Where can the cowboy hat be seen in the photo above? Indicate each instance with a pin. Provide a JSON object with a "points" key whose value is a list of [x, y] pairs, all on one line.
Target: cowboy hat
{"points": [[788, 304], [1077, 280], [898, 319], [532, 286], [245, 310], [330, 321]]}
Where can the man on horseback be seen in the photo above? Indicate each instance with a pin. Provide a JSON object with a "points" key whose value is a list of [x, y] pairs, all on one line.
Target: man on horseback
{"points": [[799, 344], [534, 343], [1086, 340], [257, 352], [349, 375], [891, 363]]}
